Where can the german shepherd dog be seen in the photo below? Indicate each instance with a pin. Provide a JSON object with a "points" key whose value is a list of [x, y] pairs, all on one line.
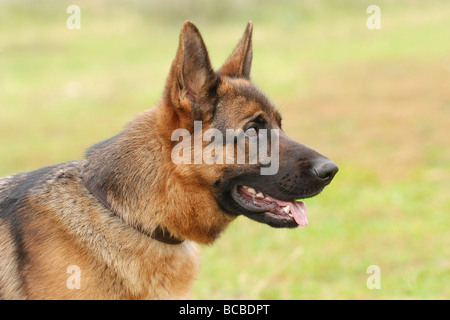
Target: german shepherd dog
{"points": [[124, 222]]}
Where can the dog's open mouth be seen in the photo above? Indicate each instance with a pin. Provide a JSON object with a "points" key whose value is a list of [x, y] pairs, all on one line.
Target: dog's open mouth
{"points": [[281, 213]]}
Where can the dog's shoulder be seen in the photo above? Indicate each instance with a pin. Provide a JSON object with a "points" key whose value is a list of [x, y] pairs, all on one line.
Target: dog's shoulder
{"points": [[21, 197], [13, 189]]}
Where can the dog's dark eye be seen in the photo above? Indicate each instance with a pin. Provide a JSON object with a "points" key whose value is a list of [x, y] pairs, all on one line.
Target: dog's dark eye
{"points": [[252, 127], [252, 130]]}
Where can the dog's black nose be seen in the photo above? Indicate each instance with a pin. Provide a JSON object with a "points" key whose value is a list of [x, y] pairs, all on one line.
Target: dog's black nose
{"points": [[325, 169]]}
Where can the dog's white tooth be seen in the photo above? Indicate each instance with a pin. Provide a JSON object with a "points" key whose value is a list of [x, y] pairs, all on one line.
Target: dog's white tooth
{"points": [[260, 195], [287, 209], [251, 190], [290, 215], [245, 187], [267, 198]]}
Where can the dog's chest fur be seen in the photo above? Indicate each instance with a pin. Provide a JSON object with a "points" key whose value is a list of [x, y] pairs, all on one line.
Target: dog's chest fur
{"points": [[50, 221]]}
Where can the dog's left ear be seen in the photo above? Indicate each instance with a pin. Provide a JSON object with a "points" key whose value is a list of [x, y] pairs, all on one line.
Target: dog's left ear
{"points": [[190, 86], [239, 63]]}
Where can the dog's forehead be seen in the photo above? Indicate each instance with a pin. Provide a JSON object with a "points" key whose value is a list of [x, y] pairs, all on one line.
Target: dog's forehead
{"points": [[237, 93]]}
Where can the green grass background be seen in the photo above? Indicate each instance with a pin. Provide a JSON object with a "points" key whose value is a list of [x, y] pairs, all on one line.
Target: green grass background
{"points": [[375, 101]]}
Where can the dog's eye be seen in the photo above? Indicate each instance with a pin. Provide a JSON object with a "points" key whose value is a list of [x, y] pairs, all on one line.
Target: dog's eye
{"points": [[252, 131]]}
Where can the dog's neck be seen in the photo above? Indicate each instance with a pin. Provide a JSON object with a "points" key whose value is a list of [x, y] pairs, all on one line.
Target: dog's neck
{"points": [[115, 172], [160, 233]]}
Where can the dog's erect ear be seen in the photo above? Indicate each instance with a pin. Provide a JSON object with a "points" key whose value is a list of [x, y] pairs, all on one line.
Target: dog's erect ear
{"points": [[239, 63], [190, 87]]}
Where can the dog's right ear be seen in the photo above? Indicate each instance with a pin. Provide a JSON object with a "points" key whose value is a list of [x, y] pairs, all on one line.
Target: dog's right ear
{"points": [[190, 87], [239, 63]]}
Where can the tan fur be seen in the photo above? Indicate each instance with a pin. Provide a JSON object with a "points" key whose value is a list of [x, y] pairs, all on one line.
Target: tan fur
{"points": [[9, 280], [137, 266]]}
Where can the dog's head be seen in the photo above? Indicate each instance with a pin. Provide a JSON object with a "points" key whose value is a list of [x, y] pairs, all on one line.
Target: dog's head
{"points": [[214, 115]]}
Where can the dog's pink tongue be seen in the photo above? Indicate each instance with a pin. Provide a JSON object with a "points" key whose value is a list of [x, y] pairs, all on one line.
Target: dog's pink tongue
{"points": [[299, 212]]}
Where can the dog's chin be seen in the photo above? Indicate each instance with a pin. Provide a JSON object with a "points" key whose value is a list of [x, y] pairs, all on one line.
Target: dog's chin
{"points": [[267, 209]]}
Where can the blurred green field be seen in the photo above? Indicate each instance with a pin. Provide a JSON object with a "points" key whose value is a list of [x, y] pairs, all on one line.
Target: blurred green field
{"points": [[377, 102]]}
